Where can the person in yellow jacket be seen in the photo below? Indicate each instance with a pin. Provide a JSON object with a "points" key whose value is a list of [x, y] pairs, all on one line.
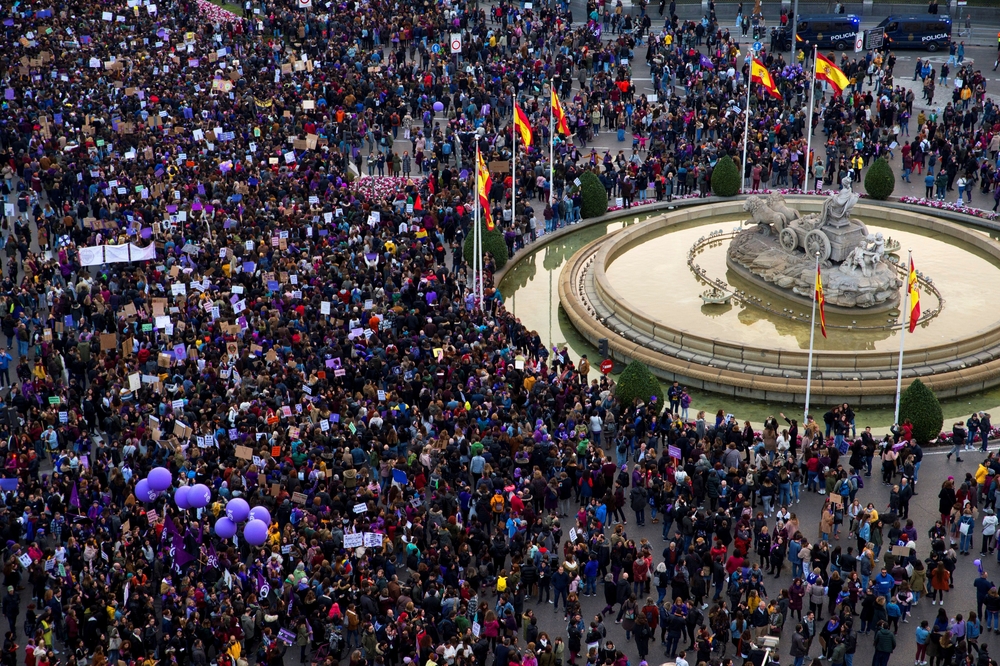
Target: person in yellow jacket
{"points": [[966, 96], [981, 473], [857, 164], [233, 649]]}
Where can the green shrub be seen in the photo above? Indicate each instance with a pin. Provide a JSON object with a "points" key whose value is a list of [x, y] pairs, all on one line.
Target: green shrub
{"points": [[594, 198], [725, 178], [636, 381], [880, 181], [493, 243], [919, 404]]}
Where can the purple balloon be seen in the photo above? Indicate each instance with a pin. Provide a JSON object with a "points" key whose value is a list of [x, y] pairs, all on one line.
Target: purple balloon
{"points": [[255, 532], [160, 478], [225, 528], [182, 497], [261, 514], [199, 496], [438, 107], [237, 510], [144, 493]]}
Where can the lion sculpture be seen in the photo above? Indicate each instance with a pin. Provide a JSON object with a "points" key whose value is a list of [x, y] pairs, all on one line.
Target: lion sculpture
{"points": [[763, 215], [776, 202]]}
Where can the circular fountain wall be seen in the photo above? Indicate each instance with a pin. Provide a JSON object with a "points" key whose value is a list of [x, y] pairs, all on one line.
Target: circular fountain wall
{"points": [[642, 289]]}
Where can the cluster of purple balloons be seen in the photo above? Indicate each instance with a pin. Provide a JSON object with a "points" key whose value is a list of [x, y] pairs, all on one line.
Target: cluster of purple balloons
{"points": [[192, 497], [198, 496], [159, 480], [237, 511]]}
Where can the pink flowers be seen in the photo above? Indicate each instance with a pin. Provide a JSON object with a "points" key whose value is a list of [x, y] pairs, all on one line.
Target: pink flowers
{"points": [[215, 13], [951, 206], [945, 437], [375, 188]]}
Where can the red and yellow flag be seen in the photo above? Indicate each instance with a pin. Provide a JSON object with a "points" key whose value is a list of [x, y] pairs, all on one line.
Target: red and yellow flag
{"points": [[559, 115], [522, 125], [820, 301], [829, 72], [485, 183], [759, 74], [914, 296]]}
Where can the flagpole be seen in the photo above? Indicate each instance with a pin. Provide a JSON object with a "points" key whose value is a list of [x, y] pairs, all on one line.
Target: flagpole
{"points": [[902, 337], [475, 232], [812, 339], [479, 236], [552, 142], [809, 136], [513, 164], [482, 269], [746, 126]]}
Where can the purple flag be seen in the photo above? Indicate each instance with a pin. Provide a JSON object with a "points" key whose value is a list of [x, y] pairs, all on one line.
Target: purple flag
{"points": [[263, 587], [706, 62], [212, 561], [169, 528], [74, 497], [181, 556]]}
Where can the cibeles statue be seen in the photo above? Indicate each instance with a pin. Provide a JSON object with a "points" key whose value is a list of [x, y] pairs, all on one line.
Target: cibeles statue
{"points": [[783, 248], [837, 209]]}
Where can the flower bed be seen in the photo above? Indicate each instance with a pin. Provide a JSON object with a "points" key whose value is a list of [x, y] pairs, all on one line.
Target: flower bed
{"points": [[376, 188], [216, 13]]}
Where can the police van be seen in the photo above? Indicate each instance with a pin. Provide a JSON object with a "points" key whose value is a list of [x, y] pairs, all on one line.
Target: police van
{"points": [[927, 31], [828, 31]]}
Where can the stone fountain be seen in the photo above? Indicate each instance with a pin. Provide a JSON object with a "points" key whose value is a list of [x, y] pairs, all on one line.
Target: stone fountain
{"points": [[779, 254]]}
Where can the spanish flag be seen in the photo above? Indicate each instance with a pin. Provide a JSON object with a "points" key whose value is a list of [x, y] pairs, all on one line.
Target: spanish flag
{"points": [[485, 183], [522, 125], [759, 74], [820, 301], [829, 72], [914, 296], [559, 115]]}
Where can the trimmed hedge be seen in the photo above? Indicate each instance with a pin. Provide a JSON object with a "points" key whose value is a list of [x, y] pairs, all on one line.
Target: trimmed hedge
{"points": [[725, 178], [919, 404], [880, 181], [593, 196], [636, 381], [493, 243]]}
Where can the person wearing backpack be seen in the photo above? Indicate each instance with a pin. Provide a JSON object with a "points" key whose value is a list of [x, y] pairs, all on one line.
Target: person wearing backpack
{"points": [[621, 450], [638, 498]]}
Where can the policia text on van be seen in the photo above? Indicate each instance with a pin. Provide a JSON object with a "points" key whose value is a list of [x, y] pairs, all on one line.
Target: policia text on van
{"points": [[917, 32]]}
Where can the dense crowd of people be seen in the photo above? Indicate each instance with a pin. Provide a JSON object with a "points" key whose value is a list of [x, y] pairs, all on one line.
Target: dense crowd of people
{"points": [[199, 276]]}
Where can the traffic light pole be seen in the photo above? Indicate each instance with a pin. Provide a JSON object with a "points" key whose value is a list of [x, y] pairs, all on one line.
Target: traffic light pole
{"points": [[795, 22]]}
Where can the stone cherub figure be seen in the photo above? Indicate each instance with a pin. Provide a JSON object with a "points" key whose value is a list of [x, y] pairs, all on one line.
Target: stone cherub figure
{"points": [[865, 256]]}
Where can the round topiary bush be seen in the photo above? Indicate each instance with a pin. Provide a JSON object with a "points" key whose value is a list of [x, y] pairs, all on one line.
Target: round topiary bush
{"points": [[725, 178], [594, 198], [493, 243], [880, 181], [919, 404], [636, 381]]}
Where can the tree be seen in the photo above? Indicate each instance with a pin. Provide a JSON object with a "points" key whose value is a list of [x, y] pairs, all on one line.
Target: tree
{"points": [[725, 178], [880, 181], [593, 196], [636, 381], [493, 243], [919, 404]]}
